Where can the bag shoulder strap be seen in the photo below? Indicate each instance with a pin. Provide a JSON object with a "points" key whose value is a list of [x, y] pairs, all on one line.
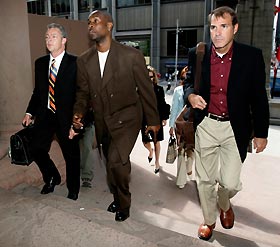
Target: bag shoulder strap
{"points": [[200, 51], [181, 114]]}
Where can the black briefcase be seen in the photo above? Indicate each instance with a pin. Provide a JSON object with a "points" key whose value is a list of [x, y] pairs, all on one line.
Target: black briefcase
{"points": [[20, 150]]}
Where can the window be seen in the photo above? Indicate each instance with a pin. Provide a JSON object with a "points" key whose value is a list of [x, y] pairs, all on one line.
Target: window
{"points": [[186, 40], [126, 3], [36, 7], [60, 6], [173, 1], [141, 44], [83, 5]]}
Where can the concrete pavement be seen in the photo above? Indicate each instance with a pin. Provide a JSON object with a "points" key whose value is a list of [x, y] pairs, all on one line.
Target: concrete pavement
{"points": [[161, 214]]}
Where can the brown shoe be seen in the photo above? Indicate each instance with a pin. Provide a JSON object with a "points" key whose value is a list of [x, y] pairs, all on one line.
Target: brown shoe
{"points": [[205, 231], [227, 218]]}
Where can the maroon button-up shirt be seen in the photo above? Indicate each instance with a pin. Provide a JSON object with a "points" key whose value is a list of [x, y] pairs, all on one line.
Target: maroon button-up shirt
{"points": [[220, 68]]}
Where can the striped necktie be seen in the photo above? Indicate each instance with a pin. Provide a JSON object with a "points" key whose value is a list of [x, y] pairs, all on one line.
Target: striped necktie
{"points": [[52, 79]]}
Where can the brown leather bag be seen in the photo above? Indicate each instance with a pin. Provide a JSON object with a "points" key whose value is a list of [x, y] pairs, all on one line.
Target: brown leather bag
{"points": [[184, 129], [184, 122]]}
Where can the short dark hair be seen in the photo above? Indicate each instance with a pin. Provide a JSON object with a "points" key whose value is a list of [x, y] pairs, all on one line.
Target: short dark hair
{"points": [[105, 14], [219, 12], [58, 26]]}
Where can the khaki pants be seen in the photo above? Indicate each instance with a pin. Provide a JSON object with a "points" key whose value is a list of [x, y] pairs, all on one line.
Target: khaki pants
{"points": [[218, 167]]}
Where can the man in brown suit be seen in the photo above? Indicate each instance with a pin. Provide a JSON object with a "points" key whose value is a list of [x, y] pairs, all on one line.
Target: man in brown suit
{"points": [[115, 80]]}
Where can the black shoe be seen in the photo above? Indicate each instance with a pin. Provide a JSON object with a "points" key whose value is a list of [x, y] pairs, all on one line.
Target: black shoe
{"points": [[49, 187], [112, 207], [168, 87], [120, 216], [73, 196], [156, 170], [150, 159]]}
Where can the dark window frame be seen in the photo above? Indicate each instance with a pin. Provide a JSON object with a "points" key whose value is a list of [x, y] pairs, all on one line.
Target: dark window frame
{"points": [[186, 39]]}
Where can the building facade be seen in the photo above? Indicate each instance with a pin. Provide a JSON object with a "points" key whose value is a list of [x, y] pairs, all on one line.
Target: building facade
{"points": [[164, 30]]}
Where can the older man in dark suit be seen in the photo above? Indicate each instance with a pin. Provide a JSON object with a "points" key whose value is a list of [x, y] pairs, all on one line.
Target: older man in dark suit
{"points": [[51, 106], [231, 102], [115, 80]]}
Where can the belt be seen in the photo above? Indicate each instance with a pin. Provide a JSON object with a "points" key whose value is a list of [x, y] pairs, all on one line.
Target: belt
{"points": [[217, 118]]}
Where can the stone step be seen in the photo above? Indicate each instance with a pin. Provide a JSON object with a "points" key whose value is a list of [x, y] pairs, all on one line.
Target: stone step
{"points": [[77, 223]]}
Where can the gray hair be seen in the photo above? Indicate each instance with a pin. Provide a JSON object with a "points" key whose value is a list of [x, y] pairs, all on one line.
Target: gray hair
{"points": [[58, 26]]}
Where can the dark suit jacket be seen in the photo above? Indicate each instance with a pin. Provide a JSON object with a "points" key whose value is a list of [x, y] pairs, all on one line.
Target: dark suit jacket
{"points": [[120, 98], [246, 96], [65, 87]]}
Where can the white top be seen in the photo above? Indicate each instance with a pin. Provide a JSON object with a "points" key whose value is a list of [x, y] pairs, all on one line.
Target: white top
{"points": [[102, 60]]}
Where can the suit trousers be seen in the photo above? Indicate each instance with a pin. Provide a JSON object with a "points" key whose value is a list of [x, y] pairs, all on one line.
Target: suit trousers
{"points": [[118, 174], [86, 151], [44, 134], [218, 167]]}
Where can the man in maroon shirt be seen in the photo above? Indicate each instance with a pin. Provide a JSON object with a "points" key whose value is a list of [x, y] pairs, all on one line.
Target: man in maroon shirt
{"points": [[231, 103]]}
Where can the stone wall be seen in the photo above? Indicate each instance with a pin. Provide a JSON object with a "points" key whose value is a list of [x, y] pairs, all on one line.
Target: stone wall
{"points": [[21, 43]]}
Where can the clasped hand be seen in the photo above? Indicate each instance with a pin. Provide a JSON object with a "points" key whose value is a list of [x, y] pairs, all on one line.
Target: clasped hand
{"points": [[76, 126]]}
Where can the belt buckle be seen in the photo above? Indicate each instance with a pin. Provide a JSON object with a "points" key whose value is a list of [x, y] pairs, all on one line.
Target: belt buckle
{"points": [[216, 117], [219, 118]]}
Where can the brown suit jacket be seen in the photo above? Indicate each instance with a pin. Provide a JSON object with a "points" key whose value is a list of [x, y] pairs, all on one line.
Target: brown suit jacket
{"points": [[120, 98]]}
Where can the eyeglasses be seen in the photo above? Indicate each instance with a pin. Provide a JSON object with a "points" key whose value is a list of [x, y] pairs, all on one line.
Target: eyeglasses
{"points": [[151, 76]]}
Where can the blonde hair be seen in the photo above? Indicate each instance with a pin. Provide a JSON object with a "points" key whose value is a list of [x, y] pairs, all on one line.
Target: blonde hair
{"points": [[153, 70]]}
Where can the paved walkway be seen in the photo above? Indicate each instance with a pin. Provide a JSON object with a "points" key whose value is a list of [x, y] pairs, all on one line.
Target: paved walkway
{"points": [[161, 214]]}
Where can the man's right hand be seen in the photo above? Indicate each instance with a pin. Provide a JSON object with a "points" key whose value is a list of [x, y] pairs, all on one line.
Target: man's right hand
{"points": [[197, 101], [27, 120]]}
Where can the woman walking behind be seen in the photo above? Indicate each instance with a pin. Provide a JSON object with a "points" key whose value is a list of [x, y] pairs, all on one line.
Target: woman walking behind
{"points": [[185, 154], [164, 110]]}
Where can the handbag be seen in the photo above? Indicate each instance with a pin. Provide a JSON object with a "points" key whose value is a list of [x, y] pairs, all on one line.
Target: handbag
{"points": [[20, 151], [184, 129], [171, 150]]}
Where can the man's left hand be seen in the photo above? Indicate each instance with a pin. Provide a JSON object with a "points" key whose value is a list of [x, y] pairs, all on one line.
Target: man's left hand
{"points": [[154, 129], [259, 144]]}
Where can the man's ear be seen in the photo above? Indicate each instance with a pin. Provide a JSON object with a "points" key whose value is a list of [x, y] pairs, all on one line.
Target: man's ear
{"points": [[235, 28], [110, 26], [64, 40]]}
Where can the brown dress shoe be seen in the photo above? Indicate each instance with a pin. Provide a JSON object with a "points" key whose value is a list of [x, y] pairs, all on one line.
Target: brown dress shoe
{"points": [[205, 231], [227, 218]]}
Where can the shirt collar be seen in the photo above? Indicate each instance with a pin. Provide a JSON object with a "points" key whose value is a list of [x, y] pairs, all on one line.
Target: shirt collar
{"points": [[228, 54], [58, 59]]}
